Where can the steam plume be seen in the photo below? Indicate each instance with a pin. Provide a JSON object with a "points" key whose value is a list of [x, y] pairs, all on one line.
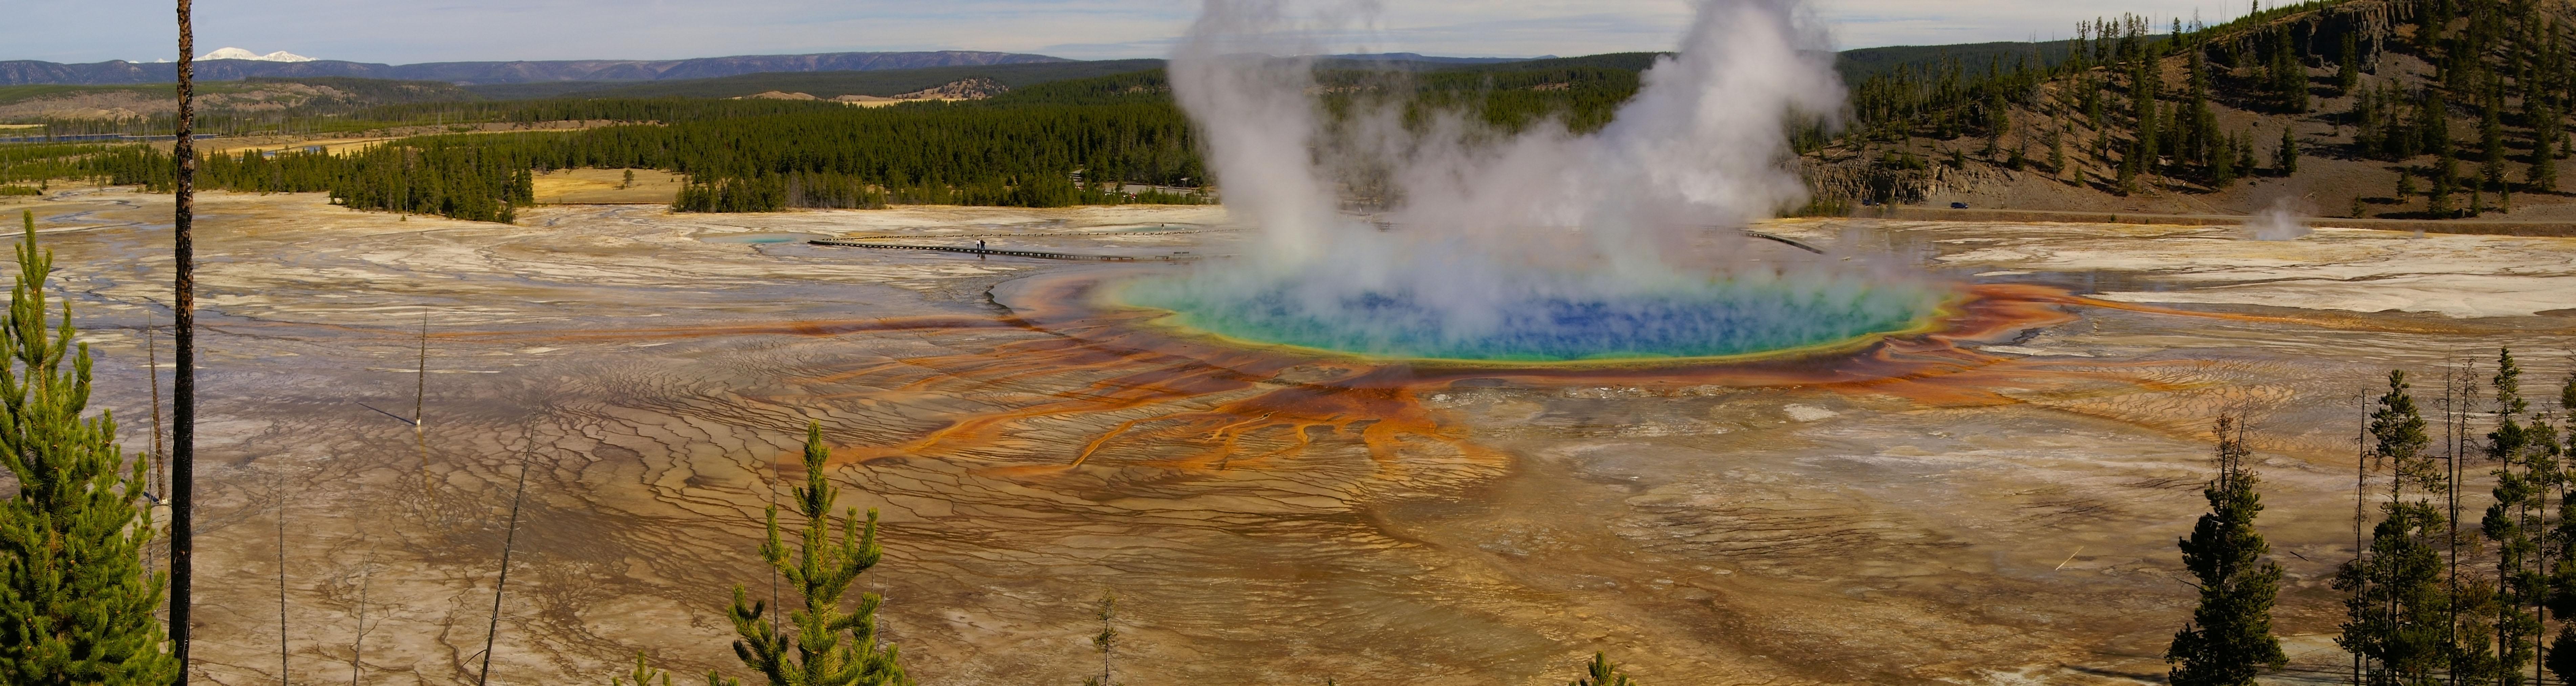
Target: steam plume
{"points": [[2280, 222], [1703, 142], [1492, 227]]}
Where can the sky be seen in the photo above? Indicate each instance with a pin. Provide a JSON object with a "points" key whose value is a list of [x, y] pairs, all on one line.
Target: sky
{"points": [[411, 31]]}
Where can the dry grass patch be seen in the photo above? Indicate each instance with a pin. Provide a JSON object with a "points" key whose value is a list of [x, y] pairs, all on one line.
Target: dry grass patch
{"points": [[606, 187], [336, 146]]}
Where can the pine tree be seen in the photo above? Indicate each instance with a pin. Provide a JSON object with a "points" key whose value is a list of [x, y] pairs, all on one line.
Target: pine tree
{"points": [[2472, 654], [2245, 153], [2057, 153], [2469, 651], [2222, 166], [1106, 642], [2396, 616], [2491, 148], [2370, 122], [829, 647], [2490, 176], [2509, 523], [2201, 123], [2445, 182], [1600, 672], [76, 605], [2144, 87], [2289, 75], [1998, 117], [644, 674], [2561, 601], [2093, 112], [2398, 438], [2542, 175], [2286, 157], [2552, 552], [2348, 66], [2229, 639]]}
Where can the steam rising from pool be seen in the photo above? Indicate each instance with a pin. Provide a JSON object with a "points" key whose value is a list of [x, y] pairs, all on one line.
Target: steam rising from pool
{"points": [[1538, 245], [2280, 222]]}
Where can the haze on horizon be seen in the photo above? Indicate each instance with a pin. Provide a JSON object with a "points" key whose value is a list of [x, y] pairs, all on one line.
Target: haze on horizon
{"points": [[479, 30]]}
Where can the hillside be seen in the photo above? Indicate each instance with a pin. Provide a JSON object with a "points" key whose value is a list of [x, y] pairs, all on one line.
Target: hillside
{"points": [[2375, 108], [254, 95], [2464, 100], [1862, 63], [30, 72], [885, 83]]}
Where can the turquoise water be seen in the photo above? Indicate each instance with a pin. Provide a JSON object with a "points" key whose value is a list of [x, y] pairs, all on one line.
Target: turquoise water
{"points": [[1536, 320]]}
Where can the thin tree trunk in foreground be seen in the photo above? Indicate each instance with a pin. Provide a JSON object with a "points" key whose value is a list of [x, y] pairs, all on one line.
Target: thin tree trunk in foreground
{"points": [[183, 387], [281, 593], [152, 373], [509, 538], [2360, 489], [358, 645]]}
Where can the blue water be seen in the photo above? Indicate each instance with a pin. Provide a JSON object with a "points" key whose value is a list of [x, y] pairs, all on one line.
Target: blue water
{"points": [[1713, 318]]}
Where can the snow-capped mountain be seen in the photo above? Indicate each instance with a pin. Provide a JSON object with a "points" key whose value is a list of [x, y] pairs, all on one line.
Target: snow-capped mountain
{"points": [[240, 54]]}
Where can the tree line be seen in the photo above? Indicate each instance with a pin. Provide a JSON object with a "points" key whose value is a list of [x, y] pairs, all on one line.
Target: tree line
{"points": [[1103, 140], [2105, 101], [2432, 596], [2488, 123], [2439, 594], [741, 156], [449, 176]]}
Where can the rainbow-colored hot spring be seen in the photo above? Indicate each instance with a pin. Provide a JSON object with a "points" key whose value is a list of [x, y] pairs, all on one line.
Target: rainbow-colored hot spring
{"points": [[1541, 317]]}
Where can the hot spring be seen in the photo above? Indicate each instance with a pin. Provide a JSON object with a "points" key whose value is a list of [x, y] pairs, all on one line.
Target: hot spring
{"points": [[1516, 246], [1544, 316], [1544, 243]]}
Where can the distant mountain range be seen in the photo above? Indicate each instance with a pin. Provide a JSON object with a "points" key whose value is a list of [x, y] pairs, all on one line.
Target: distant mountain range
{"points": [[1429, 59], [240, 54], [27, 72]]}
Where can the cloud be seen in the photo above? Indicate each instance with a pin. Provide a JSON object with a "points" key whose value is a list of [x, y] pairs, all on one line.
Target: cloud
{"points": [[452, 30]]}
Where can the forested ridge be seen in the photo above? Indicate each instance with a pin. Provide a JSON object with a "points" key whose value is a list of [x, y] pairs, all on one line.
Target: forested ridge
{"points": [[754, 155], [2465, 101], [2130, 105], [824, 84], [1072, 142], [1078, 141]]}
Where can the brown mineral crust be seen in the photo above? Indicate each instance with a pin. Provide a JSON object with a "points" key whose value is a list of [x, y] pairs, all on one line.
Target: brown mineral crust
{"points": [[1992, 501]]}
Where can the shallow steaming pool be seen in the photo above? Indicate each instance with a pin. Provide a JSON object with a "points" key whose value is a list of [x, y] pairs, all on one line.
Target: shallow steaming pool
{"points": [[1544, 319]]}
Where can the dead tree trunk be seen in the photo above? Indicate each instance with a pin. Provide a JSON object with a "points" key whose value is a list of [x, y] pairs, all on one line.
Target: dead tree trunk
{"points": [[183, 387]]}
